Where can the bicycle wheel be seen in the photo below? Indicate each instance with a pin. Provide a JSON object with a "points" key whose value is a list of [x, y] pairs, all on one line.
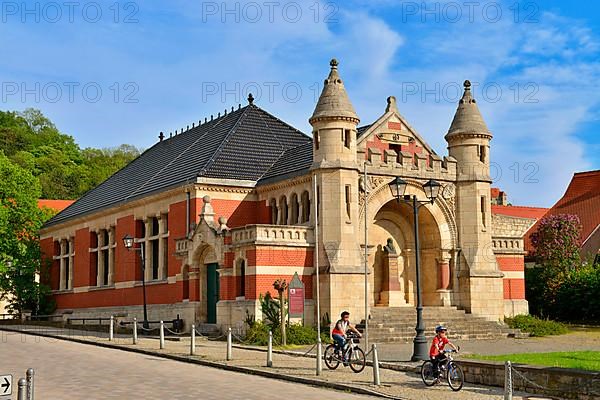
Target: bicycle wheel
{"points": [[455, 376], [331, 359], [357, 359], [427, 374]]}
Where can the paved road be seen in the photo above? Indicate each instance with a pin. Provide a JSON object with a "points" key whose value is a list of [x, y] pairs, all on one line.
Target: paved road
{"points": [[66, 370]]}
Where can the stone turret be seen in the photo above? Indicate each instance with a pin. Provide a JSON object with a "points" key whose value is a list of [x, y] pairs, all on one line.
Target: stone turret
{"points": [[335, 166], [469, 143], [334, 123]]}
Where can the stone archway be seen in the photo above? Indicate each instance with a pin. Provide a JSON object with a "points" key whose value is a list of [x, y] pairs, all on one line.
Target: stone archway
{"points": [[389, 219], [208, 264]]}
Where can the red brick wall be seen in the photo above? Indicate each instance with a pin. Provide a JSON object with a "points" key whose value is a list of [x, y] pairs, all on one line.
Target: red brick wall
{"points": [[261, 284], [280, 257], [82, 270], [127, 262], [514, 289], [177, 230], [240, 213]]}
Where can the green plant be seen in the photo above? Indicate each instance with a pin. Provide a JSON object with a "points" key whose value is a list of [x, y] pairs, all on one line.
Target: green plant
{"points": [[258, 334], [536, 326], [249, 319], [270, 310]]}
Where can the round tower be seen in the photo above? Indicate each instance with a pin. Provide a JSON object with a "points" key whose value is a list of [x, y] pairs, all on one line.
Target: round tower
{"points": [[334, 122], [479, 277], [336, 171], [469, 139]]}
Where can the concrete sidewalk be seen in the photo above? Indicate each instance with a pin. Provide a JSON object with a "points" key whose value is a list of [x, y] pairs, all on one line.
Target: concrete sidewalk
{"points": [[395, 384]]}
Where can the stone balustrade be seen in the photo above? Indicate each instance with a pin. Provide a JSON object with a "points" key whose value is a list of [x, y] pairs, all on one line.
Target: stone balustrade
{"points": [[274, 235]]}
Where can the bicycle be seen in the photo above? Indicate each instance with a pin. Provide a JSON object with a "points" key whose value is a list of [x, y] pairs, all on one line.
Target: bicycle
{"points": [[449, 371], [352, 355]]}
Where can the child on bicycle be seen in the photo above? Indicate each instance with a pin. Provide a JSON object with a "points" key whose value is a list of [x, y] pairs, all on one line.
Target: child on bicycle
{"points": [[339, 331], [436, 351]]}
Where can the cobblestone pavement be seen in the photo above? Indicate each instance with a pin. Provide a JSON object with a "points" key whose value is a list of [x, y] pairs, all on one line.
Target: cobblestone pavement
{"points": [[66, 370], [86, 366]]}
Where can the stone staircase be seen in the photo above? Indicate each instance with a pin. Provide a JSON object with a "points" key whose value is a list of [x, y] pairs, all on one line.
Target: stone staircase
{"points": [[397, 324]]}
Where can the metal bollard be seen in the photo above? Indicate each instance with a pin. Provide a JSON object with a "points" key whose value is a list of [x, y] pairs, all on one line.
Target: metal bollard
{"points": [[319, 357], [22, 393], [229, 345], [193, 341], [508, 387], [111, 329], [376, 378], [270, 350], [135, 339], [162, 335], [30, 373]]}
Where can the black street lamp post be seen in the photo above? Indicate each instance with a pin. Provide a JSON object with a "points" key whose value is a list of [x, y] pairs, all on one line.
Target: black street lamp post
{"points": [[128, 241], [431, 188]]}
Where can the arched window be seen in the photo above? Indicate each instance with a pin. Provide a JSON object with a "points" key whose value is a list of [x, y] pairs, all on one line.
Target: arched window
{"points": [[283, 210], [305, 199], [241, 279], [273, 205], [295, 209]]}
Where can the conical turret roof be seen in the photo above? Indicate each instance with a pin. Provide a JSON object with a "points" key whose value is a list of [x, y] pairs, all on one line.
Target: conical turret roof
{"points": [[468, 119], [334, 101]]}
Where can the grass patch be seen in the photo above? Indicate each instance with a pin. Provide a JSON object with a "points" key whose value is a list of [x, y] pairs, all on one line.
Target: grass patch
{"points": [[535, 326], [587, 360]]}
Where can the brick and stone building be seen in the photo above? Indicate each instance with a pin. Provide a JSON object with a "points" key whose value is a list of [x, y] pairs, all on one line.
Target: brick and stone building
{"points": [[228, 206]]}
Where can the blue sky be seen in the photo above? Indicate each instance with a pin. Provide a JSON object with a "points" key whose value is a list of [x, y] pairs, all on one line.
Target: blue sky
{"points": [[161, 66]]}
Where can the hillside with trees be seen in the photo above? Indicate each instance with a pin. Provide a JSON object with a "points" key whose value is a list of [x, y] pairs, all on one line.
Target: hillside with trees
{"points": [[38, 161], [64, 170]]}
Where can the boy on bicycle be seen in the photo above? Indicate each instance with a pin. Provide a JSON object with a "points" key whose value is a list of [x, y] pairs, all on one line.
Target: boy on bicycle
{"points": [[436, 351], [339, 331]]}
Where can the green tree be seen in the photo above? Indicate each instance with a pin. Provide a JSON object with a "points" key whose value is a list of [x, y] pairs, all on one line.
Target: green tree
{"points": [[20, 221], [556, 250]]}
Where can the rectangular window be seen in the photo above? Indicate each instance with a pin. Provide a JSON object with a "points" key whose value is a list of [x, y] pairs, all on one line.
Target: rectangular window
{"points": [[348, 201], [482, 153], [155, 259], [347, 138], [154, 226], [483, 207], [165, 269], [316, 139], [105, 262]]}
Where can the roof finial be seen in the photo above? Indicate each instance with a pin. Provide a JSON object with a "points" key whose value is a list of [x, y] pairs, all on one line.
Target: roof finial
{"points": [[239, 105], [231, 108], [250, 98], [211, 117], [219, 114], [161, 136], [334, 63], [467, 85], [193, 124], [467, 97], [205, 119], [188, 128]]}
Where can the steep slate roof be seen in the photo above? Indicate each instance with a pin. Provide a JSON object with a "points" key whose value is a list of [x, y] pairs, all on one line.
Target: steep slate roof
{"points": [[296, 161], [244, 144]]}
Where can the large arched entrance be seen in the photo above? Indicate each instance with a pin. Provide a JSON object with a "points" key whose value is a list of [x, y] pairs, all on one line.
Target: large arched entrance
{"points": [[207, 262], [391, 244], [393, 263]]}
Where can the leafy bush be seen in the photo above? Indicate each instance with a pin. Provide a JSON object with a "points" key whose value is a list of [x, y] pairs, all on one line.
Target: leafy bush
{"points": [[536, 326], [270, 310], [577, 296], [258, 334]]}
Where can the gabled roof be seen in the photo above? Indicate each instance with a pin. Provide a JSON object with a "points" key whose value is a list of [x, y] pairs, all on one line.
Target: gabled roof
{"points": [[582, 198], [520, 211], [57, 205], [242, 145]]}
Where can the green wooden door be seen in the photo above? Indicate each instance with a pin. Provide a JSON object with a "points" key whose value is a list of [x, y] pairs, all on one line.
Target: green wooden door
{"points": [[212, 292]]}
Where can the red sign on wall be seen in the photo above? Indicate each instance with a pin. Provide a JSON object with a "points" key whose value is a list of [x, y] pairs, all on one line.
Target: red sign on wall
{"points": [[296, 303]]}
